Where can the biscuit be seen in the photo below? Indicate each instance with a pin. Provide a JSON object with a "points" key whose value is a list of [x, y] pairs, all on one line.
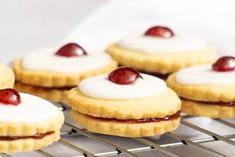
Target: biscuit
{"points": [[158, 106], [125, 103], [28, 144], [28, 123], [29, 129], [205, 99], [160, 62], [51, 94], [208, 93], [208, 110], [54, 79], [123, 129]]}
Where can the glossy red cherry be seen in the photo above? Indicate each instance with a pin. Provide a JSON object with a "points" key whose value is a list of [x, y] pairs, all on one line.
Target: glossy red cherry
{"points": [[9, 96], [159, 31], [71, 50], [223, 64], [124, 76]]}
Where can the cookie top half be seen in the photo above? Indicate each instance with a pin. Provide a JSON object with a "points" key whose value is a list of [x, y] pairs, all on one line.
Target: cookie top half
{"points": [[60, 67], [208, 83], [24, 115], [160, 49], [124, 94]]}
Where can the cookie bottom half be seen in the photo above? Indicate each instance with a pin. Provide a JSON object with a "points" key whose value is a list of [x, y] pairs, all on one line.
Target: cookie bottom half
{"points": [[50, 94], [125, 128], [27, 143], [207, 109]]}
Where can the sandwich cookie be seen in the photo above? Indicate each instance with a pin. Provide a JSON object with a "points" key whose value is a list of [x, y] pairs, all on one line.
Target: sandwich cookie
{"points": [[50, 73], [207, 90], [125, 103], [27, 122], [160, 51]]}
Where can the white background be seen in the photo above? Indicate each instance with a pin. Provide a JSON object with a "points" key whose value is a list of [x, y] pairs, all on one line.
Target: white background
{"points": [[29, 24]]}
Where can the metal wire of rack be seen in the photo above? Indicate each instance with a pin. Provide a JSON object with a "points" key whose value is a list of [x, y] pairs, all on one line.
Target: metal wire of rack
{"points": [[148, 145]]}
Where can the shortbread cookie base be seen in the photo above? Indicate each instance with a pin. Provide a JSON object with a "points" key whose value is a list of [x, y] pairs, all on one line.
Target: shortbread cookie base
{"points": [[160, 62], [54, 79], [50, 94], [207, 93], [124, 129], [207, 110], [7, 80], [23, 145], [29, 129], [158, 106]]}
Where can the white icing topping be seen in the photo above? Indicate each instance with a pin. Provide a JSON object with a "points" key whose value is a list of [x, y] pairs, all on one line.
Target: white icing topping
{"points": [[32, 109], [149, 44], [203, 75], [45, 59], [100, 87]]}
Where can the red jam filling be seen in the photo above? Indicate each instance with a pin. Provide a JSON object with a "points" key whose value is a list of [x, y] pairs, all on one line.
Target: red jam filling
{"points": [[146, 120], [124, 76], [37, 136], [231, 104], [9, 96]]}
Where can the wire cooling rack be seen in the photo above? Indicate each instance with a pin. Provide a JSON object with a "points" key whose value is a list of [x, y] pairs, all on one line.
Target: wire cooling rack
{"points": [[196, 136]]}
